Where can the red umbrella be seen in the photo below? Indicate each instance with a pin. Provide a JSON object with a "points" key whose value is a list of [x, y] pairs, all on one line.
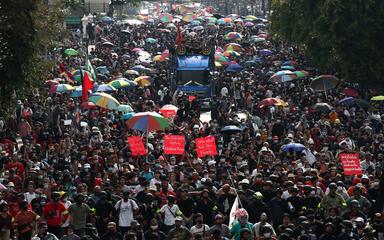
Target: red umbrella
{"points": [[350, 92], [267, 102], [88, 105]]}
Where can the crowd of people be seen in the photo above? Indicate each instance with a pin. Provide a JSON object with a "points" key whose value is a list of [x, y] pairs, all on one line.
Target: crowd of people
{"points": [[78, 179]]}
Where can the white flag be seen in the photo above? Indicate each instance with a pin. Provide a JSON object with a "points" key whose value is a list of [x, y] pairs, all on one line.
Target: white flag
{"points": [[235, 206]]}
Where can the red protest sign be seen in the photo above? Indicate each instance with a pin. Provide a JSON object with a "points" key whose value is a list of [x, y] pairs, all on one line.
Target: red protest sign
{"points": [[136, 145], [174, 144], [206, 146], [351, 163]]}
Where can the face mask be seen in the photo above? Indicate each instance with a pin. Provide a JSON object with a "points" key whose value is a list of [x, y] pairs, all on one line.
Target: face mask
{"points": [[86, 169], [246, 172], [154, 227], [340, 188], [173, 162], [121, 160]]}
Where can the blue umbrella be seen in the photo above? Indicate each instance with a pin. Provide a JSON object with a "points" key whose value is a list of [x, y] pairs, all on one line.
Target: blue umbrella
{"points": [[107, 19], [234, 67], [287, 63], [150, 40], [231, 128], [127, 116], [78, 92], [102, 70], [347, 101], [195, 23], [265, 52], [297, 147], [141, 68]]}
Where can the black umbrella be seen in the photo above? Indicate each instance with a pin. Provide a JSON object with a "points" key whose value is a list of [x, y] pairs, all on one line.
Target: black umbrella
{"points": [[322, 107]]}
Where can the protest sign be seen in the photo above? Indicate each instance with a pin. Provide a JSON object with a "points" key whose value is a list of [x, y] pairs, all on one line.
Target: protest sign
{"points": [[136, 145], [206, 146], [351, 163], [174, 144]]}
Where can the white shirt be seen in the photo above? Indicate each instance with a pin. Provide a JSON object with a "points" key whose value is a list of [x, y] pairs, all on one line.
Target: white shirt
{"points": [[29, 197], [169, 214], [224, 92], [202, 231], [126, 212]]}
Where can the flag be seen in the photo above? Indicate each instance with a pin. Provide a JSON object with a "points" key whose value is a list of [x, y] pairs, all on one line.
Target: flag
{"points": [[235, 206], [65, 73], [89, 67], [179, 38], [87, 85]]}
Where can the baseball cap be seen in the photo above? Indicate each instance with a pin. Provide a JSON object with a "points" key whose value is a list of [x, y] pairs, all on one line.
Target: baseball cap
{"points": [[244, 181], [178, 218]]}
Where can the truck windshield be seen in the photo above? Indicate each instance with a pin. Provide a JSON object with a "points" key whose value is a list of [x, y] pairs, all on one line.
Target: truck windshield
{"points": [[201, 77]]}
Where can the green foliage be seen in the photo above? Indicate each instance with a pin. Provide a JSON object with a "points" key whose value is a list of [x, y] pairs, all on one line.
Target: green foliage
{"points": [[28, 29], [344, 36]]}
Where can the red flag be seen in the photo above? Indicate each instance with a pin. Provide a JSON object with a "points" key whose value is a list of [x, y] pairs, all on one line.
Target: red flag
{"points": [[179, 38], [174, 144], [87, 85], [206, 146]]}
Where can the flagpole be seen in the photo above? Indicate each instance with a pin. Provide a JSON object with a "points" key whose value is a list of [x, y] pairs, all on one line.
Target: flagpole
{"points": [[233, 185]]}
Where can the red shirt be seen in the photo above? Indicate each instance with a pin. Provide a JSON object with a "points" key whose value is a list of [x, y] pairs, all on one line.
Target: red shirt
{"points": [[53, 213], [8, 146], [20, 169]]}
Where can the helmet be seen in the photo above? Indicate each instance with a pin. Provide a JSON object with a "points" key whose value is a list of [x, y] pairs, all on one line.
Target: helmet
{"points": [[267, 228], [355, 203], [332, 186]]}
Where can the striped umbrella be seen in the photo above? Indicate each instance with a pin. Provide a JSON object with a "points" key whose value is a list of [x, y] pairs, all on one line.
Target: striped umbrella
{"points": [[147, 122], [166, 18], [233, 36], [324, 82], [189, 18], [223, 21], [105, 88], [233, 47], [63, 88], [119, 83], [283, 76], [230, 53], [104, 100], [132, 72]]}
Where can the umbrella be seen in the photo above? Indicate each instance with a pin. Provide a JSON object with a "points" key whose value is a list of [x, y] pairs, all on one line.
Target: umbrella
{"points": [[166, 18], [151, 40], [231, 128], [251, 17], [171, 25], [324, 82], [147, 122], [168, 110], [223, 21], [104, 100], [164, 30], [297, 147], [231, 53], [218, 64], [256, 39], [144, 81], [140, 68], [301, 74], [63, 88], [127, 116], [198, 28], [234, 67], [347, 101], [322, 107], [102, 70], [233, 47], [104, 88], [52, 82], [249, 24], [137, 49], [107, 19], [265, 52], [159, 58], [221, 58], [195, 23], [71, 52], [108, 44], [287, 67], [351, 92], [77, 74], [283, 76], [119, 83], [88, 105], [250, 63], [268, 102], [78, 92], [288, 63], [377, 98], [212, 20], [189, 18], [233, 36], [131, 72], [124, 108]]}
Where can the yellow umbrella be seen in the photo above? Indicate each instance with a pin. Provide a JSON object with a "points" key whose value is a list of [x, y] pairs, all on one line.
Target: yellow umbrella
{"points": [[251, 17], [218, 64], [144, 81], [158, 58], [104, 100], [377, 98], [281, 103]]}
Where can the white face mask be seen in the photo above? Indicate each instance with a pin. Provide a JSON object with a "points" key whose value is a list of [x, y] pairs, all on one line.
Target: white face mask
{"points": [[154, 227]]}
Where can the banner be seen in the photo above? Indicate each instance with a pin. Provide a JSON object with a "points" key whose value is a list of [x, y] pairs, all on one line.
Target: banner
{"points": [[174, 144], [136, 145], [351, 163], [206, 146]]}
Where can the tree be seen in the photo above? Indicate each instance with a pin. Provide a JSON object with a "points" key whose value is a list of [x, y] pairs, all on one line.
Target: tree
{"points": [[28, 29], [345, 36]]}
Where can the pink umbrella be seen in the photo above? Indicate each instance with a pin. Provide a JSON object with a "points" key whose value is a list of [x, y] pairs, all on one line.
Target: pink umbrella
{"points": [[219, 49], [137, 50], [2, 187]]}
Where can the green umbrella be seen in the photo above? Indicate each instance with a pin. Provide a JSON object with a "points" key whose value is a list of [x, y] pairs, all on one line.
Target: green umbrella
{"points": [[377, 98], [71, 52]]}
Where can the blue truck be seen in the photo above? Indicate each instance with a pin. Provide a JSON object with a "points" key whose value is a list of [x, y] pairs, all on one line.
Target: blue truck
{"points": [[192, 75]]}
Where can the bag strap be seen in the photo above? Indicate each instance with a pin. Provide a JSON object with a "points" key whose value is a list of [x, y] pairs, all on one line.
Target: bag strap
{"points": [[169, 209]]}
